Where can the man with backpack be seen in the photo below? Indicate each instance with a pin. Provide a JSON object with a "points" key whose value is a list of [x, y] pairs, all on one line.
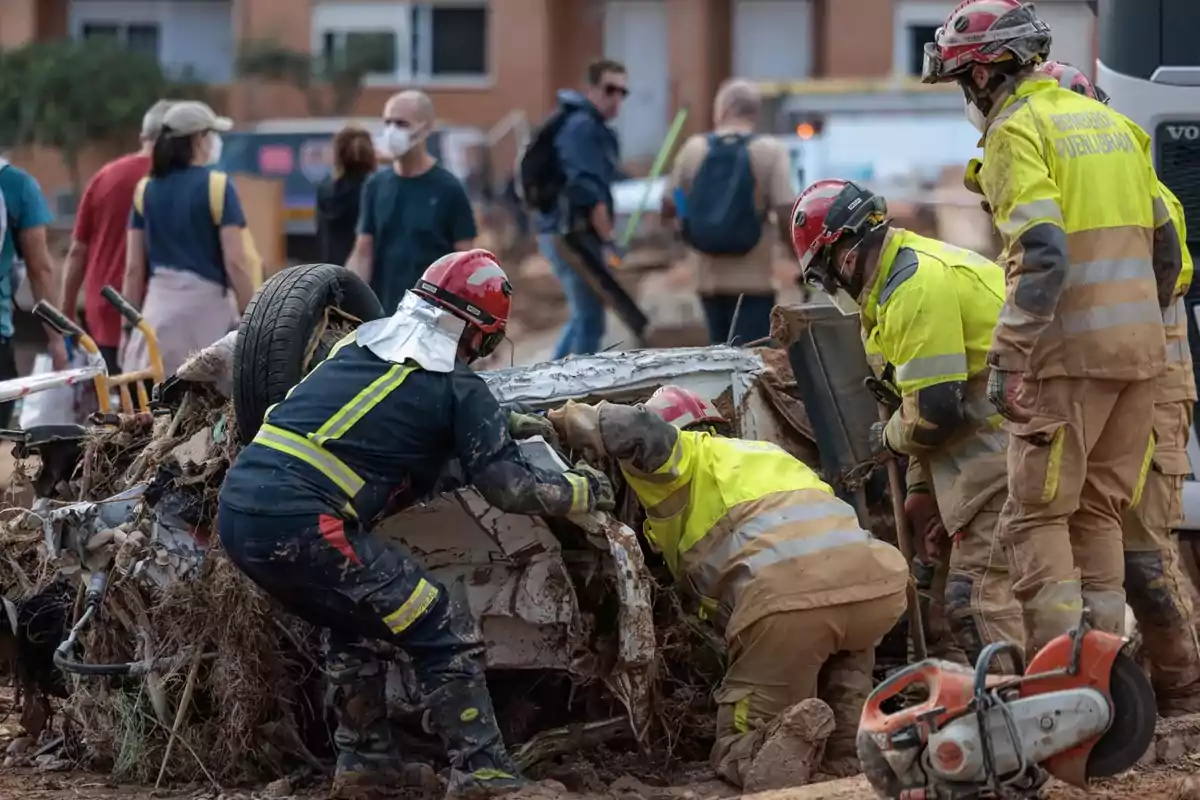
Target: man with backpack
{"points": [[566, 177], [723, 188]]}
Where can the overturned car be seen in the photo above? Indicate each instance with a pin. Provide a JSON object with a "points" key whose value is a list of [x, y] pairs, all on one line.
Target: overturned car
{"points": [[570, 609]]}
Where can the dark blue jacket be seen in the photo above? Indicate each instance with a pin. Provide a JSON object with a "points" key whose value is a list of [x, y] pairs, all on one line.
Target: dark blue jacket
{"points": [[590, 156]]}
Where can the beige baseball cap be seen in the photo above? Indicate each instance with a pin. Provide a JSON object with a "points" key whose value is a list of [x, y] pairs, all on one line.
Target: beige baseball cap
{"points": [[152, 122], [191, 117]]}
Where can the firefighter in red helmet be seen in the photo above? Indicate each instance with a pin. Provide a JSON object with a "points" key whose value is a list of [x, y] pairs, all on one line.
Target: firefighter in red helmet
{"points": [[775, 561], [928, 309], [367, 433], [1091, 260]]}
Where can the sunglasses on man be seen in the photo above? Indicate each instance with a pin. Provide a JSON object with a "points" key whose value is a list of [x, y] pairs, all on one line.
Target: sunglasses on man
{"points": [[611, 89]]}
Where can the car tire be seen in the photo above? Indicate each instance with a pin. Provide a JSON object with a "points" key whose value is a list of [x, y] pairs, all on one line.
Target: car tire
{"points": [[280, 336]]}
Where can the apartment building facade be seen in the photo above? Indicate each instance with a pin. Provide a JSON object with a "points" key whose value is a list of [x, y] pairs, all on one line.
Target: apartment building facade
{"points": [[482, 59]]}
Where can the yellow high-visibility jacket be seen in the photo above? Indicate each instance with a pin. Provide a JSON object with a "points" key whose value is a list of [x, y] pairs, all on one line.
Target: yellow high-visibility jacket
{"points": [[1075, 200], [747, 527], [931, 310]]}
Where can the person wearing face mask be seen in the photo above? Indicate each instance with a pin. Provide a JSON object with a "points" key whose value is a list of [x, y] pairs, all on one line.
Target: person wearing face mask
{"points": [[412, 214], [1091, 260], [928, 309], [186, 265]]}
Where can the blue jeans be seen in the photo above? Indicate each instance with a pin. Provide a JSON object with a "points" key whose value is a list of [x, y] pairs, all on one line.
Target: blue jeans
{"points": [[585, 328]]}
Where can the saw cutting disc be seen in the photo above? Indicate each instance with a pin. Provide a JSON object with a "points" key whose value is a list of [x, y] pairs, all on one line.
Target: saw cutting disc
{"points": [[1132, 728]]}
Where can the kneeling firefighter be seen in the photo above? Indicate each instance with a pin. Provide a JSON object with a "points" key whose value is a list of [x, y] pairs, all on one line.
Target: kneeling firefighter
{"points": [[929, 308], [366, 434], [780, 565]]}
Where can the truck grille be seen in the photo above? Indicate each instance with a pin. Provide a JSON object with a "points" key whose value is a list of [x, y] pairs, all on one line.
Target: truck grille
{"points": [[1178, 163]]}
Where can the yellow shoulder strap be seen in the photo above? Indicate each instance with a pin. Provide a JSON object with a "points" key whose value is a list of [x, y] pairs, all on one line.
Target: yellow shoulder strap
{"points": [[216, 195], [139, 195]]}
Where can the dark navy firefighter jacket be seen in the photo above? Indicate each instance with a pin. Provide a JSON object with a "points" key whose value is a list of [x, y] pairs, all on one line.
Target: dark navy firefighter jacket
{"points": [[364, 438]]}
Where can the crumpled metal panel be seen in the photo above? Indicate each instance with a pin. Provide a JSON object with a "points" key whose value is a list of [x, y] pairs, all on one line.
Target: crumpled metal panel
{"points": [[706, 370], [512, 567]]}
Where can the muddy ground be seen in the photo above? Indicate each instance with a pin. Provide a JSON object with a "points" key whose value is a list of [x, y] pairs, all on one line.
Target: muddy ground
{"points": [[1170, 770]]}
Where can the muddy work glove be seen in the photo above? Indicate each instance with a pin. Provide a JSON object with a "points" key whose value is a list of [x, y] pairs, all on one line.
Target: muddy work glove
{"points": [[881, 451], [601, 487], [525, 426], [1004, 389]]}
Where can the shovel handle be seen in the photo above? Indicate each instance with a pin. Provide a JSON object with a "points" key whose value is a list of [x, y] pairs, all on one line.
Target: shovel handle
{"points": [[916, 626]]}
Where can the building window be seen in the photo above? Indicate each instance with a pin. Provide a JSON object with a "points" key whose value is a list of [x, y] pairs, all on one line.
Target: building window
{"points": [[375, 51], [918, 37], [140, 37], [443, 41]]}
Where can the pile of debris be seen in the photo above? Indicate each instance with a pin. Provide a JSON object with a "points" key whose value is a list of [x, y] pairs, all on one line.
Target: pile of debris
{"points": [[180, 669]]}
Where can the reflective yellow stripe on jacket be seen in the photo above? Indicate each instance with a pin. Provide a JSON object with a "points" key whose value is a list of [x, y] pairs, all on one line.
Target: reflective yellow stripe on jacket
{"points": [[310, 448], [754, 531]]}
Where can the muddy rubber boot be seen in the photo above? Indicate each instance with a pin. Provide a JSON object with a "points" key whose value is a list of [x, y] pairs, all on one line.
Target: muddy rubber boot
{"points": [[792, 748], [461, 714], [368, 763], [363, 779]]}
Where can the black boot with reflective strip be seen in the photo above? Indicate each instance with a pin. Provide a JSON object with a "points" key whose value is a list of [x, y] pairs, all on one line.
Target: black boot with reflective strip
{"points": [[461, 714]]}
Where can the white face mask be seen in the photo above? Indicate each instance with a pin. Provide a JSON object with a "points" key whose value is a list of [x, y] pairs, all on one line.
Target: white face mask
{"points": [[975, 116], [398, 140], [214, 148]]}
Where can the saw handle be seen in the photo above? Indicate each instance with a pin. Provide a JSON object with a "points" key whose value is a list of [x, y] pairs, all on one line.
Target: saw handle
{"points": [[924, 673]]}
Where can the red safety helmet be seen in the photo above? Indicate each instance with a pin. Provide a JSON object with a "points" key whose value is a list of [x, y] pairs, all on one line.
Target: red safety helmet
{"points": [[822, 215], [983, 32], [1072, 78], [472, 286], [683, 407]]}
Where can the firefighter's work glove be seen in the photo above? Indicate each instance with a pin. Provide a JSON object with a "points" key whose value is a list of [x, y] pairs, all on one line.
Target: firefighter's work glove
{"points": [[881, 451], [525, 426], [578, 427], [925, 520], [883, 392], [1004, 390], [601, 487]]}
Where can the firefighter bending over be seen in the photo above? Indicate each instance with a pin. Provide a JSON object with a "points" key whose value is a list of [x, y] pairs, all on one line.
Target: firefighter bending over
{"points": [[1154, 580], [780, 565], [930, 309], [1091, 259], [366, 434]]}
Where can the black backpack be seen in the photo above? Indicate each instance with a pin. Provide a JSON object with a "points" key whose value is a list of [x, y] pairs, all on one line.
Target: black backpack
{"points": [[540, 176], [722, 216]]}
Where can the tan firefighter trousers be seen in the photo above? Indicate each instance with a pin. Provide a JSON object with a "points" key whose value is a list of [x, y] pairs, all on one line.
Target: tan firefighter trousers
{"points": [[1154, 583], [790, 656], [1072, 472], [980, 606]]}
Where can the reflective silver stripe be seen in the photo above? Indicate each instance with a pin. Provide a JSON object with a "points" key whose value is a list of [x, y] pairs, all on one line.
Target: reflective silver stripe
{"points": [[735, 542], [1012, 316], [946, 467], [788, 549], [1008, 112], [1026, 213], [1142, 312], [932, 367], [1161, 215], [1178, 352], [1108, 270], [1174, 313], [581, 491]]}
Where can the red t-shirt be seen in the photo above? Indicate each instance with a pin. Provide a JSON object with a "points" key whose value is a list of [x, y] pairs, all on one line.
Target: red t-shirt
{"points": [[101, 224]]}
